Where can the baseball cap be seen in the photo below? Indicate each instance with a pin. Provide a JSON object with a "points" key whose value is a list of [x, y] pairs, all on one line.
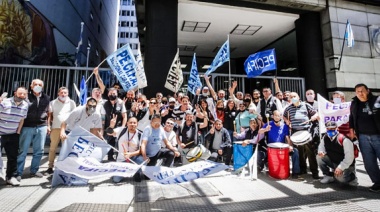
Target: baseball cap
{"points": [[331, 125], [171, 99]]}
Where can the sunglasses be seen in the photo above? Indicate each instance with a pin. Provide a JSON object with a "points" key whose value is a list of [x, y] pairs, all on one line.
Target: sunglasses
{"points": [[92, 106], [153, 103], [170, 123]]}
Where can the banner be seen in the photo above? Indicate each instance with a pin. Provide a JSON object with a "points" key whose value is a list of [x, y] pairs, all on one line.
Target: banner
{"points": [[79, 143], [260, 62], [349, 35], [83, 92], [185, 173], [90, 168], [249, 169], [174, 79], [140, 71], [328, 111], [220, 58], [194, 80], [123, 64]]}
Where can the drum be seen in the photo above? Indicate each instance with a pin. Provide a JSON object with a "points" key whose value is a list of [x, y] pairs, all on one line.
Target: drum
{"points": [[205, 152], [301, 137], [198, 152], [278, 160], [242, 154]]}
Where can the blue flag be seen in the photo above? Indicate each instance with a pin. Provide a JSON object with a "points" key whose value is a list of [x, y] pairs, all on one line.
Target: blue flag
{"points": [[83, 91], [194, 80], [349, 35], [77, 56], [260, 62], [220, 58]]}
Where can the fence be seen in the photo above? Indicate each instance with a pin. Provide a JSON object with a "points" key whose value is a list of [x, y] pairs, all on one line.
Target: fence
{"points": [[12, 76]]}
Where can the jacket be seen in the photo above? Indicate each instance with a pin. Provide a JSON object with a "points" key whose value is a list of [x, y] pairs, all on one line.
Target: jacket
{"points": [[226, 139], [374, 104]]}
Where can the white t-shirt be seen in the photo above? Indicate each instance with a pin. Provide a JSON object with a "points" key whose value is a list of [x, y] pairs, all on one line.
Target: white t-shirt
{"points": [[61, 111], [171, 136], [80, 118], [128, 142]]}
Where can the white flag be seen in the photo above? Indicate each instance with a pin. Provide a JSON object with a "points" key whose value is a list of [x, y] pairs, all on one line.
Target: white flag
{"points": [[174, 79], [140, 72]]}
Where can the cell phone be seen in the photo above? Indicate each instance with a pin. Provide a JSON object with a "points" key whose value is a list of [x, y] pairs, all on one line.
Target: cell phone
{"points": [[4, 95]]}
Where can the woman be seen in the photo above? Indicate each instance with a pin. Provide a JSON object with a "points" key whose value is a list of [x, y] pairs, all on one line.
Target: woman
{"points": [[203, 113], [229, 117], [243, 117], [220, 110]]}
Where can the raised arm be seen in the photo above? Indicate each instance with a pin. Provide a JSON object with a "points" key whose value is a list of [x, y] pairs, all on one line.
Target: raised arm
{"points": [[99, 80], [212, 91]]}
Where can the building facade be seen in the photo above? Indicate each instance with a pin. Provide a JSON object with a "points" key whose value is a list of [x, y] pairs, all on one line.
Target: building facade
{"points": [[127, 30]]}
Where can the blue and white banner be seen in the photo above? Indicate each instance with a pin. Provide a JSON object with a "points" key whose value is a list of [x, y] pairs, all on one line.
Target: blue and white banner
{"points": [[174, 79], [140, 72], [79, 143], [83, 92], [123, 64], [349, 35], [260, 62], [220, 58], [89, 168], [185, 173], [77, 56], [194, 80], [340, 113]]}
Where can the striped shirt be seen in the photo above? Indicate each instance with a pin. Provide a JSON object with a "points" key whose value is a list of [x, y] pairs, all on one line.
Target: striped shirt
{"points": [[178, 114], [11, 115], [79, 118], [297, 115]]}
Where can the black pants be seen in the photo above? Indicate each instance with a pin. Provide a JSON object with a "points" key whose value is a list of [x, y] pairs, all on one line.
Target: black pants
{"points": [[307, 151], [111, 141], [164, 153], [227, 152], [11, 144]]}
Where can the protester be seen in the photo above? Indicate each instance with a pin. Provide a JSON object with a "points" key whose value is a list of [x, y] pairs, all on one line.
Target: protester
{"points": [[338, 98], [239, 95], [298, 116], [268, 104], [151, 147], [13, 111], [34, 129], [365, 125], [310, 98], [336, 160], [167, 111], [220, 142], [129, 99], [221, 97], [180, 110], [256, 97], [203, 112], [229, 118], [243, 117], [59, 109], [220, 110], [170, 134], [128, 141]]}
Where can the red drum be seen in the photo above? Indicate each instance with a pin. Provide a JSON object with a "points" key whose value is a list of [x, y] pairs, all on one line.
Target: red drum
{"points": [[278, 160]]}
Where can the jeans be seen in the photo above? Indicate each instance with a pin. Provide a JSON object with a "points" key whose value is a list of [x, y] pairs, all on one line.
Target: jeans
{"points": [[370, 149], [10, 144], [137, 159], [325, 164], [295, 161], [36, 136], [307, 151]]}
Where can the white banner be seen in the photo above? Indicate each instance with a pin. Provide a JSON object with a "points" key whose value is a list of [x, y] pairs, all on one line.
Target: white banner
{"points": [[174, 79], [79, 143], [90, 168], [332, 112], [123, 64], [140, 72], [185, 173]]}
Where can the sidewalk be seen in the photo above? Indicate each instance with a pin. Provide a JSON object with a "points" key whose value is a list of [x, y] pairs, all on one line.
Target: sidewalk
{"points": [[219, 192]]}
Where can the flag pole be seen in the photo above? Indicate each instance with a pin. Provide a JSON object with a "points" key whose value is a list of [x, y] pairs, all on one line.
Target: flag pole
{"points": [[344, 40], [229, 63], [96, 67]]}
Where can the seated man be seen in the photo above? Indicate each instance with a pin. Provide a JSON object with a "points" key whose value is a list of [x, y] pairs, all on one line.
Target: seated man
{"points": [[338, 156], [152, 137], [220, 142], [128, 141], [278, 132]]}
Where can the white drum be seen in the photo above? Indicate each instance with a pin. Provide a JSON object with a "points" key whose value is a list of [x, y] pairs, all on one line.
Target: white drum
{"points": [[278, 145], [301, 137]]}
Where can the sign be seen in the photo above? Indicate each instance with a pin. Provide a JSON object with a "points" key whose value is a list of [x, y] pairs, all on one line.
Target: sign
{"points": [[174, 79], [340, 113], [140, 72], [220, 58], [260, 62], [194, 80]]}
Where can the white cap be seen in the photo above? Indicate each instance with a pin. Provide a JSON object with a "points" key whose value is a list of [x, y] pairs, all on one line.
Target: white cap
{"points": [[171, 99]]}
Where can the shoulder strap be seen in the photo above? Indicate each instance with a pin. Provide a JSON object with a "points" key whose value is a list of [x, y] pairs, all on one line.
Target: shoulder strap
{"points": [[340, 138], [122, 132]]}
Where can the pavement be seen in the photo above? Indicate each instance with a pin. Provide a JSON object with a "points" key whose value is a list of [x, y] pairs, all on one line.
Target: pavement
{"points": [[219, 192]]}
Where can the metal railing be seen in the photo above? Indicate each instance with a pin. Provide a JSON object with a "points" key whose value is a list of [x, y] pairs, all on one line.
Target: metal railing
{"points": [[13, 76]]}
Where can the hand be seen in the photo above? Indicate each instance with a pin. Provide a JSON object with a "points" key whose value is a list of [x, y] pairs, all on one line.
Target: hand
{"points": [[275, 81], [127, 155], [176, 154], [63, 136], [145, 158], [268, 128], [291, 148], [207, 78], [212, 130], [48, 130], [113, 120], [220, 151], [234, 84], [242, 129], [338, 172], [164, 112], [235, 134], [321, 154], [245, 143], [183, 146], [96, 71], [198, 91]]}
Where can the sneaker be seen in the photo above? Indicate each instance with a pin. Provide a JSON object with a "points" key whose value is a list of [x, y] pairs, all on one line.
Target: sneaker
{"points": [[353, 182], [316, 177], [327, 179], [13, 181], [375, 188], [37, 174], [18, 178], [49, 171]]}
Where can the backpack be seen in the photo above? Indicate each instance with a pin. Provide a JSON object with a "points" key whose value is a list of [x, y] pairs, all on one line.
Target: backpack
{"points": [[340, 139]]}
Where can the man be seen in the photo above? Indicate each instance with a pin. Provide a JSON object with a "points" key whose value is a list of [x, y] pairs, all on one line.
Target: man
{"points": [[256, 97], [97, 95], [59, 110], [113, 107], [179, 111], [298, 116], [159, 97], [151, 149], [278, 132], [130, 98], [220, 142], [178, 97], [83, 116], [187, 134], [336, 156], [34, 129], [339, 97], [221, 96], [13, 111], [167, 112], [310, 98], [170, 134], [128, 140], [268, 105], [365, 125]]}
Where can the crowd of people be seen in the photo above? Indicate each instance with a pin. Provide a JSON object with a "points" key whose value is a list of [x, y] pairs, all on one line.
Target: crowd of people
{"points": [[163, 129]]}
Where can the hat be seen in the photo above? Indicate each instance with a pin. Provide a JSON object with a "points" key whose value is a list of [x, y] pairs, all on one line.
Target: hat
{"points": [[171, 99], [331, 125], [205, 88]]}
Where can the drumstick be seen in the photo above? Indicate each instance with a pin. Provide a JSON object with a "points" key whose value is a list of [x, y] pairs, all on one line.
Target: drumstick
{"points": [[306, 121], [189, 143], [267, 115], [234, 126]]}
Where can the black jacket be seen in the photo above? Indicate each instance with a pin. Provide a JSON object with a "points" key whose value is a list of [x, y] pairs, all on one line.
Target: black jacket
{"points": [[374, 104], [37, 114]]}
